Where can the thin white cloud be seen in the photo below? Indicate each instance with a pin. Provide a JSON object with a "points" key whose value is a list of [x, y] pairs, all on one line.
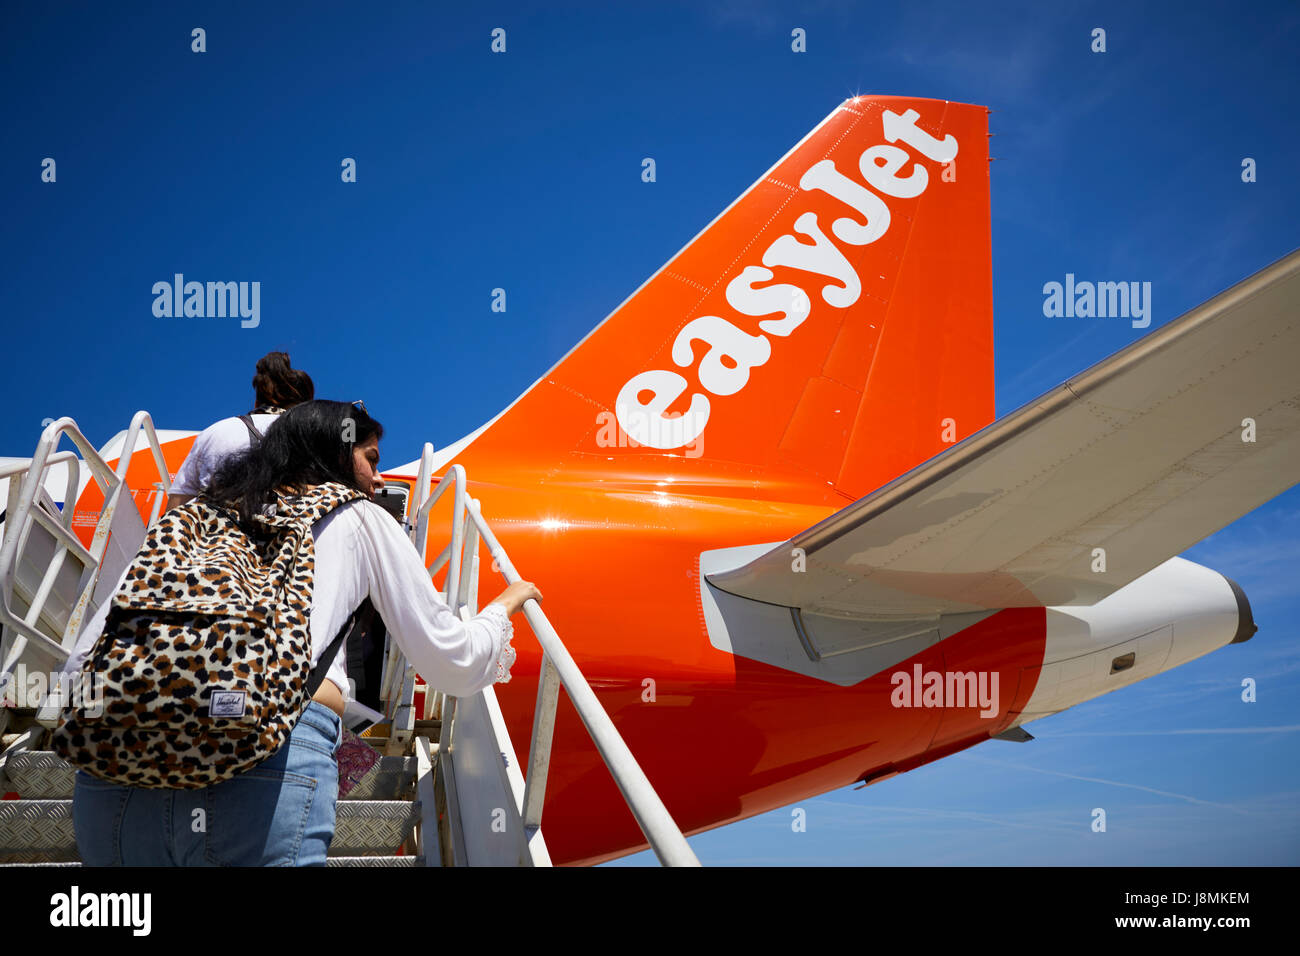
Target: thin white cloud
{"points": [[1281, 729], [1110, 783], [962, 815]]}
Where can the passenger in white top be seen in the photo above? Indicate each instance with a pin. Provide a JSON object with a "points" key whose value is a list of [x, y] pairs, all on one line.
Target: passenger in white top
{"points": [[213, 446], [277, 387]]}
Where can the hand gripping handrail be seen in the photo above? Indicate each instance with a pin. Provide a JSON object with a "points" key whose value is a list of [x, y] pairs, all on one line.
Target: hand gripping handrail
{"points": [[558, 669]]}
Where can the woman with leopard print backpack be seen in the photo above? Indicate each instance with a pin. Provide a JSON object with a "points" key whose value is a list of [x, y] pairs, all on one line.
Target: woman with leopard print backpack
{"points": [[222, 692]]}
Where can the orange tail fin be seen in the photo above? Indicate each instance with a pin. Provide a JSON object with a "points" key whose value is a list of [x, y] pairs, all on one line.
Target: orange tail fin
{"points": [[832, 328]]}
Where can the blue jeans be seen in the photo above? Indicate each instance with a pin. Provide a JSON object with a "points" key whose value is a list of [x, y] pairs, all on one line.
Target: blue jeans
{"points": [[279, 813]]}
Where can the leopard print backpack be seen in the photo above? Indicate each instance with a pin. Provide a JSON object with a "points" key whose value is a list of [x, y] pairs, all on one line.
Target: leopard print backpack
{"points": [[204, 664]]}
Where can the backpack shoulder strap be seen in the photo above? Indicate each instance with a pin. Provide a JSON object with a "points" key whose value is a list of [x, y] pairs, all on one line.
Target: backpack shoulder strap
{"points": [[360, 619], [253, 433]]}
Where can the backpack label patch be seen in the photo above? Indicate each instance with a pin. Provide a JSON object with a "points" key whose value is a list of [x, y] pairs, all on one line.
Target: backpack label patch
{"points": [[227, 703]]}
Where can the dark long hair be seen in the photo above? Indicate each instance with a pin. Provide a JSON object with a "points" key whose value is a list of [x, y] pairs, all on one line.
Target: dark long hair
{"points": [[310, 444], [277, 384]]}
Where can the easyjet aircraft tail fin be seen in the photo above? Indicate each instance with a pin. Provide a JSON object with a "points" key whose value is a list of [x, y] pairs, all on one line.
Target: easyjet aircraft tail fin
{"points": [[832, 327]]}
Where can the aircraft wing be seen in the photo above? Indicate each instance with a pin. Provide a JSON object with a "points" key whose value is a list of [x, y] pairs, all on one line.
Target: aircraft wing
{"points": [[1078, 493]]}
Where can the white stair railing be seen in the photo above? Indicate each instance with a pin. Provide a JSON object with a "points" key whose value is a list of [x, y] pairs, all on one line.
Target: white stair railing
{"points": [[460, 557], [39, 628]]}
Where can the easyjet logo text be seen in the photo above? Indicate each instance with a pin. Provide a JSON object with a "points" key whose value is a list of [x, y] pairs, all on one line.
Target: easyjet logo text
{"points": [[723, 369]]}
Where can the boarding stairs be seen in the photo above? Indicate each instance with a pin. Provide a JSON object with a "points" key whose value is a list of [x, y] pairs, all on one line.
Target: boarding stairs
{"points": [[447, 789]]}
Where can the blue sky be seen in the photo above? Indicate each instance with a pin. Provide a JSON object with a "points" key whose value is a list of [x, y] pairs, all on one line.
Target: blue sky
{"points": [[522, 171]]}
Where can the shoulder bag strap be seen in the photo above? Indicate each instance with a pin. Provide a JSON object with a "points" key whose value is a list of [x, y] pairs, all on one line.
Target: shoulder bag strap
{"points": [[361, 618], [253, 433]]}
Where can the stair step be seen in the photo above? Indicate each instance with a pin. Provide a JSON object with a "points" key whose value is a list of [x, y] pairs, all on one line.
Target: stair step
{"points": [[392, 778], [40, 831], [40, 775], [373, 827], [37, 831], [39, 863], [388, 861], [43, 775], [406, 861], [377, 816]]}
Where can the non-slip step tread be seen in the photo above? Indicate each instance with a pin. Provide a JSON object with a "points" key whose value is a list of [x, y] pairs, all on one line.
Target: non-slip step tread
{"points": [[402, 861], [33, 831], [40, 863], [39, 774], [370, 827], [393, 861], [392, 778], [43, 775]]}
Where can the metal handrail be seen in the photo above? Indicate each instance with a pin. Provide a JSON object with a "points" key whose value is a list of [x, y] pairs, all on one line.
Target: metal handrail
{"points": [[22, 511], [70, 486], [421, 494], [652, 816], [558, 670], [143, 421]]}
